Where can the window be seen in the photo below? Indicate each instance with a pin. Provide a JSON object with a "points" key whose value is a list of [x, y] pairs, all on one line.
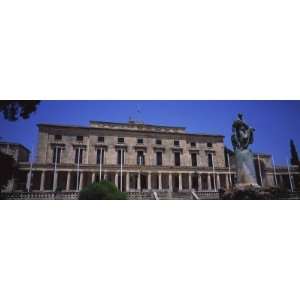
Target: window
{"points": [[140, 158], [78, 155], [100, 139], [209, 145], [79, 138], [176, 143], [119, 160], [158, 142], [56, 155], [140, 141], [193, 144], [210, 160], [100, 154], [158, 158], [194, 159], [177, 158], [58, 137], [120, 140]]}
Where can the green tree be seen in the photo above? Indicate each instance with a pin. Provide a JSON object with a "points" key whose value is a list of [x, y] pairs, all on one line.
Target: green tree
{"points": [[294, 154], [14, 109], [8, 169], [103, 190]]}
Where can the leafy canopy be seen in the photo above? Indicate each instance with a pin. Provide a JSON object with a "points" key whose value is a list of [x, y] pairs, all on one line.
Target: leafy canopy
{"points": [[14, 109], [104, 190]]}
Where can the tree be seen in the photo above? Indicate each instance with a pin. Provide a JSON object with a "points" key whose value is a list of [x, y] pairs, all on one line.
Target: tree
{"points": [[103, 190], [294, 154], [8, 168], [14, 109]]}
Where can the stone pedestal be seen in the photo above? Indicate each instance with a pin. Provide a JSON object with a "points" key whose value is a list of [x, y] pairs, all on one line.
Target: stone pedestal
{"points": [[246, 176]]}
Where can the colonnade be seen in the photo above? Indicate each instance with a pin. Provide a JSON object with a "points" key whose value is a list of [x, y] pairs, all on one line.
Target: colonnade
{"points": [[172, 181]]}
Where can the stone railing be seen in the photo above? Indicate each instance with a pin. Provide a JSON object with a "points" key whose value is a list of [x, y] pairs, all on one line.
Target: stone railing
{"points": [[41, 196], [145, 195]]}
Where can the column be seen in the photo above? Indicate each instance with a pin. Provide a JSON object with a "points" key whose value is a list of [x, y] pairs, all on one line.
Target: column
{"points": [[139, 181], [68, 181], [159, 182], [42, 184], [180, 182], [10, 185], [127, 181], [149, 181], [199, 182], [28, 182], [170, 182], [55, 181], [190, 181], [93, 177], [218, 182], [105, 176], [81, 181], [116, 180], [226, 181], [209, 181]]}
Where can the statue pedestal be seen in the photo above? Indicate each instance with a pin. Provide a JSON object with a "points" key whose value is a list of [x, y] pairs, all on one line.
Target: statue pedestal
{"points": [[246, 176]]}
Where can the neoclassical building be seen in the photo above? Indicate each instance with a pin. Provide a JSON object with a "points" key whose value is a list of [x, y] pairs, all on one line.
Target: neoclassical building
{"points": [[136, 157]]}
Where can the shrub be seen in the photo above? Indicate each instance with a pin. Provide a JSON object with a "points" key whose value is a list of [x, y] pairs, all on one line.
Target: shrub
{"points": [[255, 194], [104, 190]]}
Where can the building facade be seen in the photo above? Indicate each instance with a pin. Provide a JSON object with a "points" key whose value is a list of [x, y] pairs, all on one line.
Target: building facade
{"points": [[19, 153], [136, 157], [133, 156]]}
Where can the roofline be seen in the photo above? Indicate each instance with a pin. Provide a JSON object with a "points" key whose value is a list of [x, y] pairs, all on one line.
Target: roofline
{"points": [[262, 154], [93, 128], [15, 144], [136, 123]]}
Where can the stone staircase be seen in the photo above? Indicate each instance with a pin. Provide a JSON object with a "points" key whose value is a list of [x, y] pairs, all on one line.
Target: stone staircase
{"points": [[175, 195], [208, 195]]}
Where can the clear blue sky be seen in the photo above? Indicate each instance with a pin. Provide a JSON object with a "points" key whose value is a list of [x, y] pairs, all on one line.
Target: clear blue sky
{"points": [[275, 121]]}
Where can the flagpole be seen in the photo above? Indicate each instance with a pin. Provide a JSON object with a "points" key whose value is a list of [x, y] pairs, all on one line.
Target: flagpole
{"points": [[30, 171], [121, 182], [292, 189], [100, 165], [229, 168], [259, 168], [275, 178], [77, 179], [55, 166], [214, 175]]}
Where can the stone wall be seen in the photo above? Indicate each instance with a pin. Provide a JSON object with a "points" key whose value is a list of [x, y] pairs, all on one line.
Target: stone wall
{"points": [[90, 143]]}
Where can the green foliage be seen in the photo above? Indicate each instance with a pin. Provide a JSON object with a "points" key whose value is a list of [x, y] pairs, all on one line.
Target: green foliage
{"points": [[104, 190], [8, 169], [14, 109]]}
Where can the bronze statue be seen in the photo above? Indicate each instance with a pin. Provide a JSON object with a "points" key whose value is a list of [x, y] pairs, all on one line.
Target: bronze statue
{"points": [[242, 134], [241, 138]]}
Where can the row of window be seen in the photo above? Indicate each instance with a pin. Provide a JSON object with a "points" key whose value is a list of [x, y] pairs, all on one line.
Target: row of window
{"points": [[79, 138], [140, 160]]}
